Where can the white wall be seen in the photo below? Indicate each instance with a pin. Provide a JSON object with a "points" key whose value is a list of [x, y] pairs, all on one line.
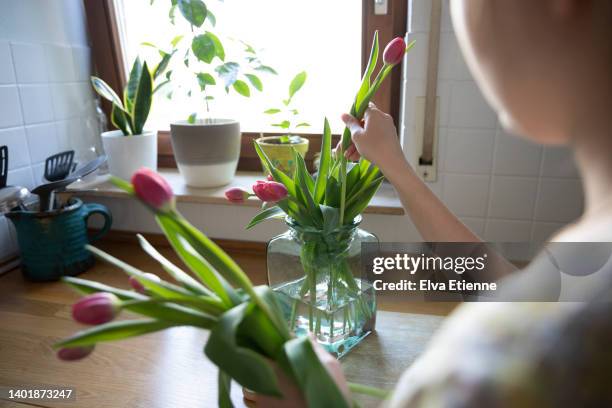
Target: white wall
{"points": [[45, 98], [503, 187]]}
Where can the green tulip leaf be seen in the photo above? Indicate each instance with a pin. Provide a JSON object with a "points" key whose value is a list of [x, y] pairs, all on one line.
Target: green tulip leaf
{"points": [[198, 264], [114, 331], [272, 212], [324, 164], [177, 273], [224, 383], [247, 367], [319, 389]]}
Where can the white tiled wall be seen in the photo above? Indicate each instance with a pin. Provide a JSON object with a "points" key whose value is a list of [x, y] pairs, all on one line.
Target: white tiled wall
{"points": [[503, 187], [45, 97]]}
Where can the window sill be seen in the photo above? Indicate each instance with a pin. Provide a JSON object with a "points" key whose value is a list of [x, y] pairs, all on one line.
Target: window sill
{"points": [[384, 202]]}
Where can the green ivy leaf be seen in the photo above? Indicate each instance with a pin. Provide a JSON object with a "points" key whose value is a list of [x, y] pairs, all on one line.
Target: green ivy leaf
{"points": [[265, 68], [296, 83], [192, 118], [194, 11], [204, 48], [285, 124], [272, 111], [219, 51], [242, 88], [211, 18], [303, 124], [255, 81], [228, 72], [176, 40], [205, 79]]}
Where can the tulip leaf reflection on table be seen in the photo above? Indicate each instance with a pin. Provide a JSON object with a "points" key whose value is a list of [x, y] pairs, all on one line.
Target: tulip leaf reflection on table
{"points": [[248, 335]]}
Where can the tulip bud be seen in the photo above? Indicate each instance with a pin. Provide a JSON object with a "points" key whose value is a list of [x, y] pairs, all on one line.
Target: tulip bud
{"points": [[74, 353], [139, 287], [153, 190], [394, 51], [270, 177], [269, 191], [96, 308], [237, 195]]}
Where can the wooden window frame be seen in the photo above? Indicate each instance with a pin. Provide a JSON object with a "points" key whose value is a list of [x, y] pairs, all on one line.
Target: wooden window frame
{"points": [[107, 55]]}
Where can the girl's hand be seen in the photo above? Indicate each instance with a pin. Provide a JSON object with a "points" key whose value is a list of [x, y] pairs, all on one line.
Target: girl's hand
{"points": [[376, 139], [293, 397]]}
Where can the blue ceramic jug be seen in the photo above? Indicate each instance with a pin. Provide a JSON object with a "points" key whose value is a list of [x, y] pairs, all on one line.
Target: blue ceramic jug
{"points": [[52, 243]]}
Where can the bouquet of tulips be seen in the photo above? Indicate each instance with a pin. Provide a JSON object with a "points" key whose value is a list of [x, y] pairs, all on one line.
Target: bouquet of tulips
{"points": [[327, 203], [249, 340]]}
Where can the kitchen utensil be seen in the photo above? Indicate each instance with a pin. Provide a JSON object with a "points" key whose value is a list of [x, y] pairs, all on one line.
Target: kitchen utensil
{"points": [[3, 165], [58, 166], [45, 191], [52, 243]]}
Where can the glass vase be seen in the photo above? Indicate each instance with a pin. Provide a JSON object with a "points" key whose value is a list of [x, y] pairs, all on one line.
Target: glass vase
{"points": [[317, 277]]}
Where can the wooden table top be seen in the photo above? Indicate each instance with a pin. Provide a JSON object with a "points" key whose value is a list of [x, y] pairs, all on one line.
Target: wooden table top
{"points": [[165, 369]]}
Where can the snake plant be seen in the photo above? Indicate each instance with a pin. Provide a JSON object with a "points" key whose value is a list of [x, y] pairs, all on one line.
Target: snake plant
{"points": [[130, 113]]}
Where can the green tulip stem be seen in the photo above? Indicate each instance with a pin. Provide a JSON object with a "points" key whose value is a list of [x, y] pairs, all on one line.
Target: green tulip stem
{"points": [[367, 390]]}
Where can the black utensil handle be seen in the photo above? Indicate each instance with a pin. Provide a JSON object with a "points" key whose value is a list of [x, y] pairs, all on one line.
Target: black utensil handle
{"points": [[3, 165]]}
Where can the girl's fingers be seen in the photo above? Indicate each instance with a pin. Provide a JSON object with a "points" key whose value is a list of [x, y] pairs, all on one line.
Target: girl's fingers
{"points": [[352, 153], [351, 122]]}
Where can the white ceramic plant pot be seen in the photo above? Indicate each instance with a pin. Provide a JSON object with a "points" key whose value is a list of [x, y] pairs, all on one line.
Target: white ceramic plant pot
{"points": [[126, 154]]}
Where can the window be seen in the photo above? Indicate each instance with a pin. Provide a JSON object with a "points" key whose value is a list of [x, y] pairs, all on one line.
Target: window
{"points": [[320, 37], [325, 38]]}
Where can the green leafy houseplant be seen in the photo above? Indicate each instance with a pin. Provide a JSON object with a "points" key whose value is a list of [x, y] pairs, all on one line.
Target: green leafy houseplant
{"points": [[130, 113], [248, 335], [279, 149], [289, 112], [324, 212], [206, 55]]}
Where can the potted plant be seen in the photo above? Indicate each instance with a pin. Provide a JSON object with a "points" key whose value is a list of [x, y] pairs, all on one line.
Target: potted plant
{"points": [[279, 149], [131, 147], [207, 148]]}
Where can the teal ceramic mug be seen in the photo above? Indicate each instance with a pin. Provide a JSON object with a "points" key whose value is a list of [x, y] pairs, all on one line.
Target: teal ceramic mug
{"points": [[52, 244]]}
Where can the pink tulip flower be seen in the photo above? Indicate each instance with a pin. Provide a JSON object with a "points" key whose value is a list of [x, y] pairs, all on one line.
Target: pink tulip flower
{"points": [[74, 353], [153, 190], [139, 287], [394, 51], [97, 308], [270, 177], [237, 195], [269, 191]]}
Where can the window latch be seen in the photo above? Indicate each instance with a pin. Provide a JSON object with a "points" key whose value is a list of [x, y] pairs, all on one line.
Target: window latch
{"points": [[381, 7]]}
